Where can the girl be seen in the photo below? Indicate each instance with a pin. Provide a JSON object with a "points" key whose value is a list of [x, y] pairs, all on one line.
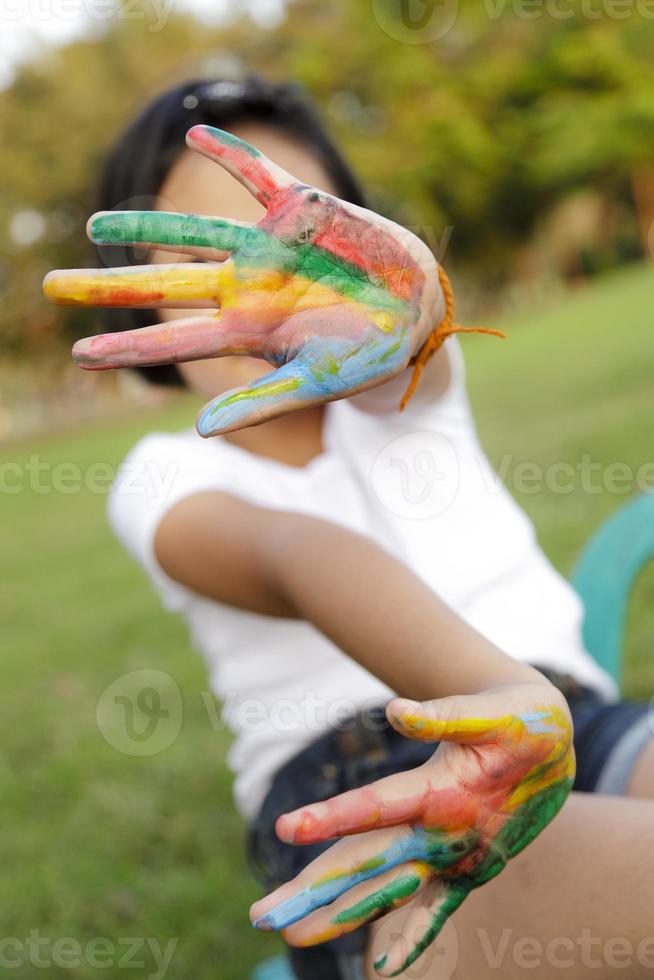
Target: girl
{"points": [[318, 590]]}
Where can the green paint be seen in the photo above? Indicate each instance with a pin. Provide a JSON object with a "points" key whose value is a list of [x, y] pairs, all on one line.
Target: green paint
{"points": [[444, 850], [228, 139], [380, 962], [533, 816], [454, 897], [160, 228], [372, 863], [315, 263], [379, 902], [255, 248], [393, 349], [326, 365], [519, 831], [523, 827], [369, 865], [269, 390]]}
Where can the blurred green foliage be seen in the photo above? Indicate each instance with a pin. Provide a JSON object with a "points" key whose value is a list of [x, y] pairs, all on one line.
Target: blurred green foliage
{"points": [[473, 139]]}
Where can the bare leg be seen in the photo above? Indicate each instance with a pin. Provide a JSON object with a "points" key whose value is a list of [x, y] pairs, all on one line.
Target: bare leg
{"points": [[577, 903], [642, 781]]}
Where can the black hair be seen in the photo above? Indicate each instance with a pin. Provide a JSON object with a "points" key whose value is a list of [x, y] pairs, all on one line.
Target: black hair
{"points": [[144, 154]]}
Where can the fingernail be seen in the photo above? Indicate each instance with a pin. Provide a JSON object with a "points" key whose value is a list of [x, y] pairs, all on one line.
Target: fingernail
{"points": [[207, 432], [206, 424], [263, 923], [51, 285], [82, 350], [209, 426], [285, 834], [95, 230], [380, 962]]}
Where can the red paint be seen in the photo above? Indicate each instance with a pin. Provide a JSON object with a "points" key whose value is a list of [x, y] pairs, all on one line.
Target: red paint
{"points": [[238, 160], [348, 236], [111, 294]]}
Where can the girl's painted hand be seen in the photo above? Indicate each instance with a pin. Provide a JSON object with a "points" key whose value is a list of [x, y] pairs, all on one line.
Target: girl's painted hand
{"points": [[503, 769], [336, 297]]}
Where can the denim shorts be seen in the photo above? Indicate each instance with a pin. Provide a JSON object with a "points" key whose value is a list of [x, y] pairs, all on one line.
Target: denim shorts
{"points": [[608, 741]]}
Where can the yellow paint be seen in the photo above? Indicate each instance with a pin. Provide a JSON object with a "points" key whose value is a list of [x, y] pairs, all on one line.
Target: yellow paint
{"points": [[184, 283], [217, 285], [559, 763]]}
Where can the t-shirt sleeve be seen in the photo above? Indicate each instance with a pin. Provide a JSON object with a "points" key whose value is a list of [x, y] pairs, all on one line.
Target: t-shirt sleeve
{"points": [[158, 473], [369, 423]]}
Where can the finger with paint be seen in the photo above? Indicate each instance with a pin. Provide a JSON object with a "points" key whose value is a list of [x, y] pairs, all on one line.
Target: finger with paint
{"points": [[429, 836], [336, 298]]}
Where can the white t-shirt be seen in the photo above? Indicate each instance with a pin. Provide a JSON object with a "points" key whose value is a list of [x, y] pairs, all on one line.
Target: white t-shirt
{"points": [[419, 484]]}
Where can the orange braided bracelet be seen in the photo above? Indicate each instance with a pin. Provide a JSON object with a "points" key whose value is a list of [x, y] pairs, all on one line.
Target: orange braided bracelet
{"points": [[439, 334]]}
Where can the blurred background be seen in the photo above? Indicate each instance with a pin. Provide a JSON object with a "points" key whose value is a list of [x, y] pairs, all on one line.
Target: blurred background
{"points": [[517, 138]]}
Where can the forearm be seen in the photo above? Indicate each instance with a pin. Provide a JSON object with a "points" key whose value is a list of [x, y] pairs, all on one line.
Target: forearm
{"points": [[379, 613], [367, 602]]}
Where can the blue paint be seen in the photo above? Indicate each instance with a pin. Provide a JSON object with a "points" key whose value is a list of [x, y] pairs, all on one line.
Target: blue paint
{"points": [[439, 849], [380, 357]]}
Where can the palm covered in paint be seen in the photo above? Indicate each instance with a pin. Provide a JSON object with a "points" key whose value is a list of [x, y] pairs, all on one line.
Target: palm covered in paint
{"points": [[336, 297], [428, 836]]}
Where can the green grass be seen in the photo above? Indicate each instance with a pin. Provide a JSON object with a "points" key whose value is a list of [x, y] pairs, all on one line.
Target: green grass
{"points": [[98, 843], [570, 382]]}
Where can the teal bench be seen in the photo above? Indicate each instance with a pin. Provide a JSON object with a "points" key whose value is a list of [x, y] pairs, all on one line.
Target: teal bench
{"points": [[277, 968], [603, 576]]}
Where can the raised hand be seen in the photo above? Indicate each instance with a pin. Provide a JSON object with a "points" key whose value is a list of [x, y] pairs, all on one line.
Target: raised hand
{"points": [[336, 297], [429, 836]]}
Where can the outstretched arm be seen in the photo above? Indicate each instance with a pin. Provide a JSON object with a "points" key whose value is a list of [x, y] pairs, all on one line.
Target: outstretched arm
{"points": [[369, 603], [426, 837]]}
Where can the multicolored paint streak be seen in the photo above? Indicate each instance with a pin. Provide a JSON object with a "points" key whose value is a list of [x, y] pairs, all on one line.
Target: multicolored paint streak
{"points": [[449, 836], [337, 298]]}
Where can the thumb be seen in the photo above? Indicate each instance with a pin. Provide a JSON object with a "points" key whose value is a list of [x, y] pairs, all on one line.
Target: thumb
{"points": [[288, 388], [470, 720]]}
